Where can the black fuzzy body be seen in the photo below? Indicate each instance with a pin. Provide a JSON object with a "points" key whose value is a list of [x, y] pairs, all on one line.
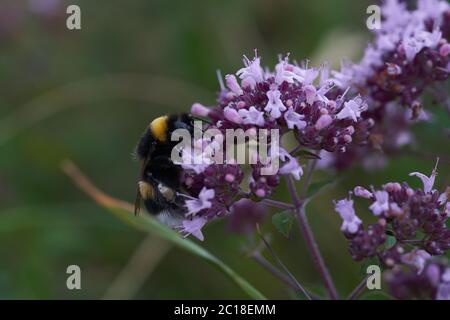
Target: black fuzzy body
{"points": [[158, 168]]}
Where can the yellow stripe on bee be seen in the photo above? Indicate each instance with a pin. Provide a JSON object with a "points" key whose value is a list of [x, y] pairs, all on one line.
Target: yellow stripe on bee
{"points": [[158, 128], [146, 190]]}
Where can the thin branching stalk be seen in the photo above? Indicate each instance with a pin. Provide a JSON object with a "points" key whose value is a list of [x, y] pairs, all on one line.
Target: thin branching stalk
{"points": [[307, 180], [278, 204], [259, 258], [282, 266], [308, 234], [358, 290]]}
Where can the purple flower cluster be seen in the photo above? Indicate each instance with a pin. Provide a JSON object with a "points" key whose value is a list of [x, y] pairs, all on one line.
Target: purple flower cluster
{"points": [[389, 133], [409, 53], [286, 100], [409, 57], [215, 189], [414, 219], [431, 282]]}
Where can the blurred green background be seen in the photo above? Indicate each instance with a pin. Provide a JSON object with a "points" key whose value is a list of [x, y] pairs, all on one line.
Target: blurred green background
{"points": [[87, 95]]}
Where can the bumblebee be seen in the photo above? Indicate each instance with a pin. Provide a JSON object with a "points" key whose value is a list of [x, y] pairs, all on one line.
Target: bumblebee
{"points": [[159, 178]]}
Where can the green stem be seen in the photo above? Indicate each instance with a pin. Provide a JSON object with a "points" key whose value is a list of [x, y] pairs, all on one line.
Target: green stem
{"points": [[307, 233]]}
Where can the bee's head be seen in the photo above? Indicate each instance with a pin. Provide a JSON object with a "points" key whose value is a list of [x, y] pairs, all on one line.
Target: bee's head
{"points": [[182, 121], [163, 126]]}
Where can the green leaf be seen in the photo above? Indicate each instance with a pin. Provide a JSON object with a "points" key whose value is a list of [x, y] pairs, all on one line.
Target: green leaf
{"points": [[283, 222], [150, 225], [390, 242]]}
